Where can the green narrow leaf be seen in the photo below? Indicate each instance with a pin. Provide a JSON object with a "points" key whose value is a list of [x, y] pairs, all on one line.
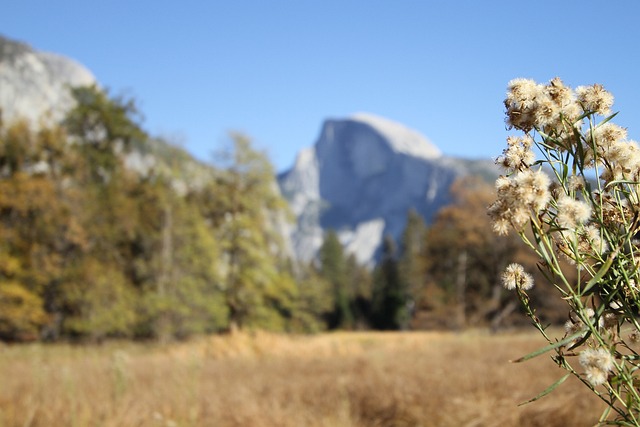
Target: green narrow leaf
{"points": [[608, 119], [600, 274], [550, 347], [581, 340], [547, 390]]}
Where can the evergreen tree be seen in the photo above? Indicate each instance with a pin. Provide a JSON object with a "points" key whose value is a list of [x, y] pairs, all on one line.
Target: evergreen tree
{"points": [[359, 284], [244, 211], [333, 268], [102, 199], [413, 265], [314, 298], [389, 300], [106, 124]]}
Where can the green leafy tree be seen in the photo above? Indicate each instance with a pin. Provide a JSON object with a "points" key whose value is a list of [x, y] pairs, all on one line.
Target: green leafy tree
{"points": [[102, 199], [314, 300], [244, 207], [177, 266], [333, 268], [105, 127]]}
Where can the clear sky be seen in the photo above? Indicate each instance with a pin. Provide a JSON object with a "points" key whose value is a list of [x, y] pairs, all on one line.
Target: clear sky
{"points": [[275, 70]]}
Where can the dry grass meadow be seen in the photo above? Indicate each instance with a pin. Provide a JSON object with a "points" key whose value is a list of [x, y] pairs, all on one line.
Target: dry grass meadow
{"points": [[330, 380]]}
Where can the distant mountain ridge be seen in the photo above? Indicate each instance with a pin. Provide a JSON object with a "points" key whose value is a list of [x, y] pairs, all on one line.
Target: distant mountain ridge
{"points": [[362, 177]]}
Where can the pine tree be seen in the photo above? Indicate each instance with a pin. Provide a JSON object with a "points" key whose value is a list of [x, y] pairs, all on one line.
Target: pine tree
{"points": [[105, 126], [102, 200], [314, 299], [413, 265], [359, 285], [333, 268], [389, 299], [244, 207]]}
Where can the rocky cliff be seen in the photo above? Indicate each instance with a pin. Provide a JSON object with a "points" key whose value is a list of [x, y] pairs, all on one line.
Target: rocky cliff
{"points": [[34, 85], [362, 177]]}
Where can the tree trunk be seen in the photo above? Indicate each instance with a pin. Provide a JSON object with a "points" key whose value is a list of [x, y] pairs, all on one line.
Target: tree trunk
{"points": [[163, 326], [461, 288]]}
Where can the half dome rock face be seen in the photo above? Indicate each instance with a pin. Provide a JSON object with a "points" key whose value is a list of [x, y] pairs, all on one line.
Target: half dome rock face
{"points": [[400, 138], [35, 85], [360, 179]]}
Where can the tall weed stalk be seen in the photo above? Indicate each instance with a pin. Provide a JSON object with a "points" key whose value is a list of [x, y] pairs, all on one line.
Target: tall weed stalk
{"points": [[571, 192]]}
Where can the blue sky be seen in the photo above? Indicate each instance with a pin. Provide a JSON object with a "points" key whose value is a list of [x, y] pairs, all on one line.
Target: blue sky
{"points": [[276, 69]]}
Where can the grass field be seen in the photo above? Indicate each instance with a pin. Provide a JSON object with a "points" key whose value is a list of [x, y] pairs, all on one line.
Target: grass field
{"points": [[332, 380]]}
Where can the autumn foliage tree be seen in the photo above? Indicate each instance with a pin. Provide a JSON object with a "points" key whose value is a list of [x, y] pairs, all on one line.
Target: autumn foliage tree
{"points": [[33, 225], [465, 258], [92, 247]]}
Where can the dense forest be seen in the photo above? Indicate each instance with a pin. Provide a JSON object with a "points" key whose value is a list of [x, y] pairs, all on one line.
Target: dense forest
{"points": [[95, 246]]}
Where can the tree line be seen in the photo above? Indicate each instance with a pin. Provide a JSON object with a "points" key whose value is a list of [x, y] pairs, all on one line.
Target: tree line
{"points": [[92, 247], [445, 275]]}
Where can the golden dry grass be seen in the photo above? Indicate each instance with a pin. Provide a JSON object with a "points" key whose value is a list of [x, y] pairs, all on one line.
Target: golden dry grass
{"points": [[331, 380]]}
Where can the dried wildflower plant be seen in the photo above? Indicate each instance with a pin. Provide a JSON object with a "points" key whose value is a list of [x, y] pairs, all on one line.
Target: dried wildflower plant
{"points": [[571, 192]]}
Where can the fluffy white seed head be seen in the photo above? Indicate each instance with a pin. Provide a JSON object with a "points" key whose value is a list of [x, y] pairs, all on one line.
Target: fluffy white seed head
{"points": [[595, 98], [514, 277], [598, 363]]}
